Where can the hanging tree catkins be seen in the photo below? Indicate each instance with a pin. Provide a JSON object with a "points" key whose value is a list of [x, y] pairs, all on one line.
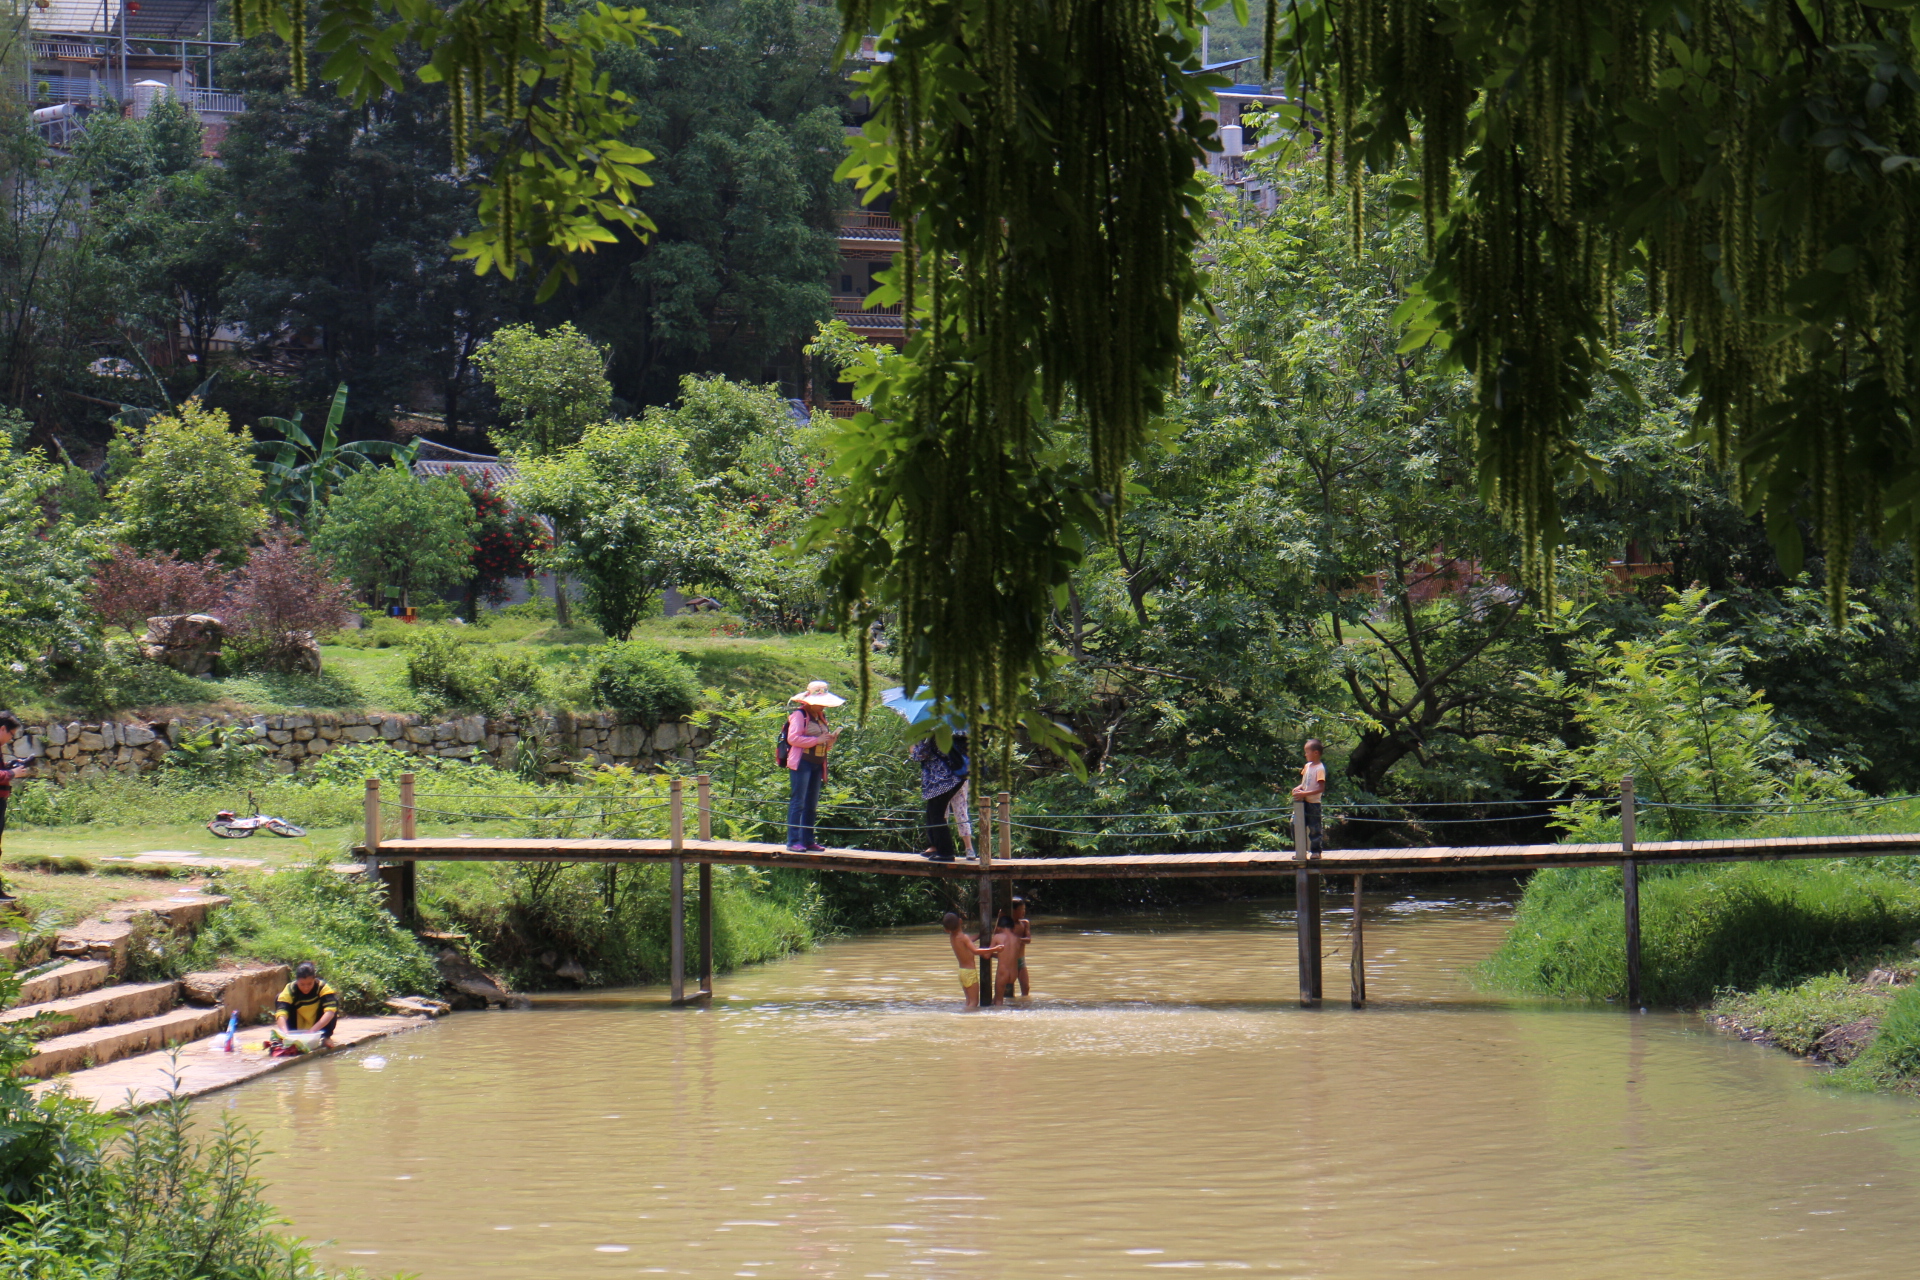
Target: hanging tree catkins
{"points": [[1041, 159], [1755, 161], [535, 125]]}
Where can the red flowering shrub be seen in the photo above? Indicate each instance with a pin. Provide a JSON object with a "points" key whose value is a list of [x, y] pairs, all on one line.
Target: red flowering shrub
{"points": [[283, 599], [132, 587], [505, 544]]}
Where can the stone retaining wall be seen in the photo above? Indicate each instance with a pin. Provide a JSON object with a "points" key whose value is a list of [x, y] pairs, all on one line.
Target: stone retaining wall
{"points": [[79, 748]]}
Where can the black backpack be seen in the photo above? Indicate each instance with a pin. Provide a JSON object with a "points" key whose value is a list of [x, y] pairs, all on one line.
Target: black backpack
{"points": [[780, 747]]}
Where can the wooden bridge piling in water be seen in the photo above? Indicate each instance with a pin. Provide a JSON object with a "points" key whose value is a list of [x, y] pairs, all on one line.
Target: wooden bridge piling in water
{"points": [[393, 862]]}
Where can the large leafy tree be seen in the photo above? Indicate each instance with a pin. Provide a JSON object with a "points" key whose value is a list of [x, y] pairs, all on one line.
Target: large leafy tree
{"points": [[550, 386], [41, 602], [350, 212], [1354, 451], [627, 514], [742, 107], [535, 122], [192, 490], [385, 528], [1751, 163]]}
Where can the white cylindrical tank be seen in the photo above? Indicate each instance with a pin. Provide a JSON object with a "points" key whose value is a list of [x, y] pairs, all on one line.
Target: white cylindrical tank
{"points": [[146, 93]]}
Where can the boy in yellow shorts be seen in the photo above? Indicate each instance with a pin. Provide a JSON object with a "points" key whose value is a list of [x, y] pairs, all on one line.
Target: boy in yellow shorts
{"points": [[968, 953]]}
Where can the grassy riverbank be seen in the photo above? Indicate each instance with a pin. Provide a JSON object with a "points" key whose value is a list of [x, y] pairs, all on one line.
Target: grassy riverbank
{"points": [[1817, 957]]}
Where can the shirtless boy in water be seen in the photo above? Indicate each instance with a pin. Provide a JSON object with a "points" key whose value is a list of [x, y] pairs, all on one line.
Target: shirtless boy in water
{"points": [[1023, 929], [1007, 937], [968, 954]]}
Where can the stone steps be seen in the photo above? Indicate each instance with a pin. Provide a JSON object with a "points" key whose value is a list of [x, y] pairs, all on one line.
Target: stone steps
{"points": [[83, 1049], [127, 1002], [70, 979]]}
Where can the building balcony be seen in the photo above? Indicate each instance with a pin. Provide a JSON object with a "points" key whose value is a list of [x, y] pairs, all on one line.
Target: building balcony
{"points": [[860, 225], [857, 314]]}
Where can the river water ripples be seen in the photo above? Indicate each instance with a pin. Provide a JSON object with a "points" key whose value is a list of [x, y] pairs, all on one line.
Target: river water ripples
{"points": [[1161, 1106]]}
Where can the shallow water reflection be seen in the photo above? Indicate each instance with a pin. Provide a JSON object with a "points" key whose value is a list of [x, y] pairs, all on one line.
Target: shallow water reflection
{"points": [[1161, 1106]]}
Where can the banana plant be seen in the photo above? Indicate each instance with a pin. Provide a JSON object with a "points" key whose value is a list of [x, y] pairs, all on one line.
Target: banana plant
{"points": [[301, 472]]}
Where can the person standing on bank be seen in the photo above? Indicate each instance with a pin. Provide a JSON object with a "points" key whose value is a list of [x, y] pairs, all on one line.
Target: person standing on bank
{"points": [[1313, 785], [942, 774], [808, 738], [9, 730]]}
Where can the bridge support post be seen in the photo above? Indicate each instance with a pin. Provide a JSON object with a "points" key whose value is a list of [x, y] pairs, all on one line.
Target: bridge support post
{"points": [[676, 817], [985, 850], [1306, 915], [1357, 964], [704, 784], [408, 897], [1630, 887]]}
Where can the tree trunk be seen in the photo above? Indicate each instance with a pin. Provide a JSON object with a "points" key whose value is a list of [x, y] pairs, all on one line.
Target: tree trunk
{"points": [[562, 607]]}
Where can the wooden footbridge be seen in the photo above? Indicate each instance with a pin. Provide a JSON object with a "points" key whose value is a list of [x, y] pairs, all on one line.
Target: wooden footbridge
{"points": [[393, 862]]}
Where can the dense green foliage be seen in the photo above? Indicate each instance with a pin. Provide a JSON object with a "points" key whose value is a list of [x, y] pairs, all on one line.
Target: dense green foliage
{"points": [[1046, 270], [165, 1196], [1754, 162], [628, 514], [468, 677], [1672, 710], [547, 924], [192, 488], [642, 681], [386, 528], [743, 108], [551, 386]]}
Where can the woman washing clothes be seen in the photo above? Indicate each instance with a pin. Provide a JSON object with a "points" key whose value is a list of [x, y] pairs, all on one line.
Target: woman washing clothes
{"points": [[942, 774], [809, 739]]}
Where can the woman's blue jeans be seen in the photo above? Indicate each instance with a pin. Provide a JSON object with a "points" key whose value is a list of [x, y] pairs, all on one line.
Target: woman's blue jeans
{"points": [[803, 803]]}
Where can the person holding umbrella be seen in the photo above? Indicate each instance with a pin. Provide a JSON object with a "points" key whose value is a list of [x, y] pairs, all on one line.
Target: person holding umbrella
{"points": [[942, 774], [808, 739]]}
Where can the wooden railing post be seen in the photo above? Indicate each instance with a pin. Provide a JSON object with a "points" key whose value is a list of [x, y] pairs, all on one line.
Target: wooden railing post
{"points": [[1630, 887], [373, 828], [704, 785], [678, 878]]}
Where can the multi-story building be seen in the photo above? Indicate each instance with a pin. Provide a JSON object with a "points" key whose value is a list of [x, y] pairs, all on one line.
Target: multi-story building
{"points": [[121, 55]]}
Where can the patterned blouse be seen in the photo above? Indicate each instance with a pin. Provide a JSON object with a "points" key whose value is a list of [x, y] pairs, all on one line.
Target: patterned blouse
{"points": [[936, 775]]}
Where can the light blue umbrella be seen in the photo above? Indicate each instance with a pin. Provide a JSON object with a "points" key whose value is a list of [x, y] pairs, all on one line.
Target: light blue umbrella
{"points": [[920, 708]]}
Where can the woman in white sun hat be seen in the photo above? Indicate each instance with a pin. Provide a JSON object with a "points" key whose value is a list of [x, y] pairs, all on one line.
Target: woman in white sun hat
{"points": [[808, 739]]}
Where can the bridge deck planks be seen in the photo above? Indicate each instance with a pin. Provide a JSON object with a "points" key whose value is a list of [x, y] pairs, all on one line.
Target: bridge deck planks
{"points": [[1153, 865]]}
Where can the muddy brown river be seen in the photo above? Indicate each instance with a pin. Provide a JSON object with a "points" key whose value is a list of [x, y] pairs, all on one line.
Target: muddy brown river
{"points": [[1160, 1107]]}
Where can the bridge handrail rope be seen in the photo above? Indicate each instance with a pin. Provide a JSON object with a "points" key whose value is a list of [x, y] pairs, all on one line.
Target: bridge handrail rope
{"points": [[908, 815], [475, 815], [1208, 813], [1784, 806], [478, 795]]}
